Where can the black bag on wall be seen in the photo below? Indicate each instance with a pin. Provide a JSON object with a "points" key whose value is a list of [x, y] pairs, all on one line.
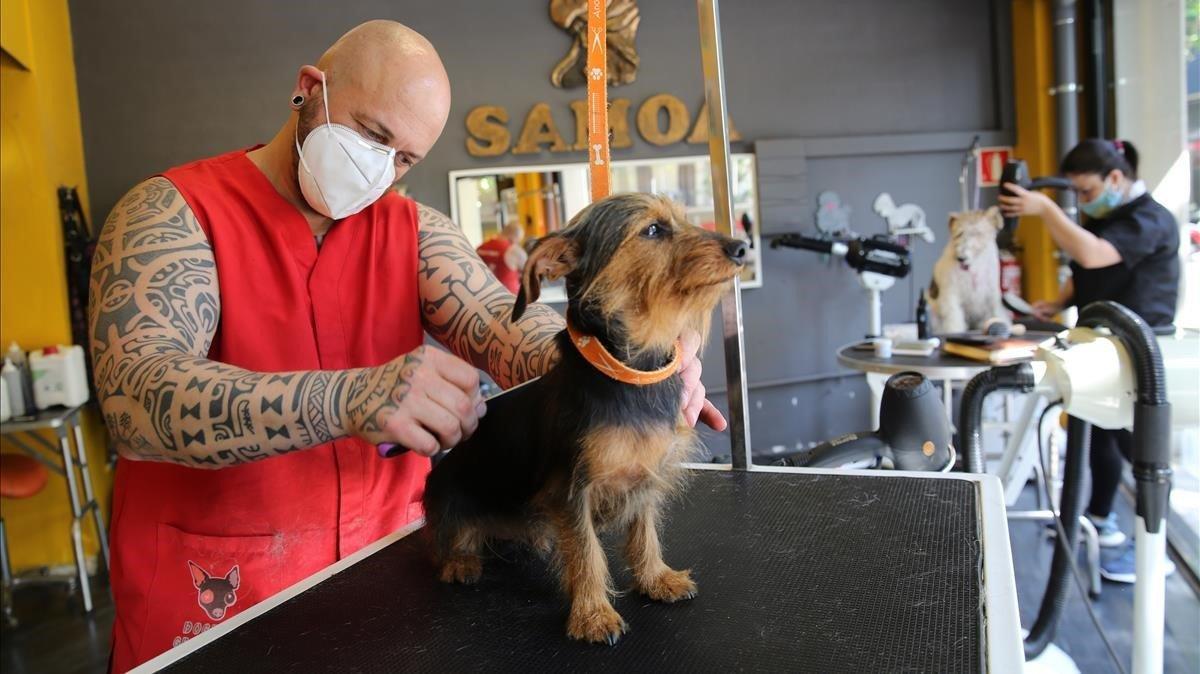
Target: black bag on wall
{"points": [[79, 244]]}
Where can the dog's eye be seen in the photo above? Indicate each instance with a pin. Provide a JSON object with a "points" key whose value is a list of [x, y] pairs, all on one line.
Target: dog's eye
{"points": [[655, 230]]}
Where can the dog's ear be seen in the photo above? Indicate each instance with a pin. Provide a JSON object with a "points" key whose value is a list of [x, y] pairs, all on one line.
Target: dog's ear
{"points": [[954, 217], [234, 577], [552, 258], [994, 213], [199, 575]]}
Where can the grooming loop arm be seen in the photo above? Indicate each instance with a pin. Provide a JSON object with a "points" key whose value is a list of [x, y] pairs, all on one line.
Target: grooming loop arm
{"points": [[731, 304]]}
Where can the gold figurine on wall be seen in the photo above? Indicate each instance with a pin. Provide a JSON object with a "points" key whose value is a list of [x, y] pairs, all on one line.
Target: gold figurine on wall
{"points": [[622, 25]]}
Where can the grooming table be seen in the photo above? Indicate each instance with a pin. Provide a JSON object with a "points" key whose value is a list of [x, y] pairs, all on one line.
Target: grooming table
{"points": [[798, 569]]}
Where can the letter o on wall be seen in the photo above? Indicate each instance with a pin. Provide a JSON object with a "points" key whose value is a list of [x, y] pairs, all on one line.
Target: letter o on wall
{"points": [[678, 119]]}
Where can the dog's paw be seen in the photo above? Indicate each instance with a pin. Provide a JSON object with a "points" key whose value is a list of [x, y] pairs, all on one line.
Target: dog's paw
{"points": [[465, 570], [601, 625], [670, 586]]}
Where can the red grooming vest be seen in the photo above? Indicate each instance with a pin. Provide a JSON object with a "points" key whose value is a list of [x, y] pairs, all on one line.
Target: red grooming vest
{"points": [[193, 547]]}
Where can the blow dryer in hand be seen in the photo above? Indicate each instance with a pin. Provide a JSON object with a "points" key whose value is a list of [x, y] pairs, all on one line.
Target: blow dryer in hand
{"points": [[1017, 172]]}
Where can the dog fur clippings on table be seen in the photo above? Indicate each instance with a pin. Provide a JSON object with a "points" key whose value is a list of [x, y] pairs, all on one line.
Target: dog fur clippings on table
{"points": [[965, 291], [597, 442]]}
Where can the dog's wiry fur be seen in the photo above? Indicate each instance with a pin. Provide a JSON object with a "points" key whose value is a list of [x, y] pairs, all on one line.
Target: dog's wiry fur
{"points": [[575, 452], [965, 291]]}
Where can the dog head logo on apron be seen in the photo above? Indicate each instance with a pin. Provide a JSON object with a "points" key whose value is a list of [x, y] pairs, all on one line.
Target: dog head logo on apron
{"points": [[215, 594]]}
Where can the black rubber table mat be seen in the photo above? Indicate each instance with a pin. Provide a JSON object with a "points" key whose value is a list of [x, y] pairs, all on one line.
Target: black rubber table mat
{"points": [[797, 573]]}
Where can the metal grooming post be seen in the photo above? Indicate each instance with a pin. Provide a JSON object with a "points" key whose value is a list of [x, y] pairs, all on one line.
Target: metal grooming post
{"points": [[1066, 90], [731, 304]]}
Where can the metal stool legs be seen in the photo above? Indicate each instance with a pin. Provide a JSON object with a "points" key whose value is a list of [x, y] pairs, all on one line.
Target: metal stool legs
{"points": [[1039, 476], [89, 494], [1092, 539], [85, 588], [6, 578], [27, 436]]}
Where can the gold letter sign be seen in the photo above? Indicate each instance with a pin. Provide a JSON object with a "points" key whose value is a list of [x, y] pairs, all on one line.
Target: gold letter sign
{"points": [[488, 134]]}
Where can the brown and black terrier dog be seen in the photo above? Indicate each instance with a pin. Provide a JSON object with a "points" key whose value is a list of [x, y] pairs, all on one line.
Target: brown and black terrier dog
{"points": [[597, 442]]}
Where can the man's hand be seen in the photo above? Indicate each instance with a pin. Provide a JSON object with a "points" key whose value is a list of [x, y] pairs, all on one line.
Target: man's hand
{"points": [[1023, 202], [426, 400], [695, 405]]}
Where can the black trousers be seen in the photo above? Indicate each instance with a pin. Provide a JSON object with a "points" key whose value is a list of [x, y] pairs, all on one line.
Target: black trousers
{"points": [[1110, 451]]}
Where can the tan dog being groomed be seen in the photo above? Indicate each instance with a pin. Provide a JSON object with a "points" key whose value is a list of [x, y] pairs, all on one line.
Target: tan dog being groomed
{"points": [[596, 443], [965, 291]]}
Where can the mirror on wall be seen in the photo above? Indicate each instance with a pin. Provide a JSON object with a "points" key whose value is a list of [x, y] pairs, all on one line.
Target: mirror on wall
{"points": [[544, 198]]}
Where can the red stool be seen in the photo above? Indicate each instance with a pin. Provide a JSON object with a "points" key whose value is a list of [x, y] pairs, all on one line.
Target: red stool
{"points": [[20, 477]]}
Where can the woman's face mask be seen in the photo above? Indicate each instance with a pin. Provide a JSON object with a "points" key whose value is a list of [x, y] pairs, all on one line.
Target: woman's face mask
{"points": [[1105, 202], [341, 172]]}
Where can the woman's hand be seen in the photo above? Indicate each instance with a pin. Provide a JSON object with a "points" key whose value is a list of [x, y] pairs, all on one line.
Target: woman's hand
{"points": [[1023, 202], [1046, 310]]}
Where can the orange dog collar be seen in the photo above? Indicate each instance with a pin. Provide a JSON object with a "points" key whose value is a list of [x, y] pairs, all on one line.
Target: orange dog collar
{"points": [[594, 352]]}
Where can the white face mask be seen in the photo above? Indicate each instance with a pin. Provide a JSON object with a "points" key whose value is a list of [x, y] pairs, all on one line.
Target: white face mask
{"points": [[341, 172]]}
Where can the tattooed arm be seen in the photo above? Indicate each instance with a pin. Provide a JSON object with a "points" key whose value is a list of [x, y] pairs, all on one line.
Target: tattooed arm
{"points": [[154, 309], [466, 308]]}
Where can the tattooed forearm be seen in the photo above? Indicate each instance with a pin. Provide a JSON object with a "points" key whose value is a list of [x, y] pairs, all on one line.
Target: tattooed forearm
{"points": [[154, 309], [465, 308], [199, 413]]}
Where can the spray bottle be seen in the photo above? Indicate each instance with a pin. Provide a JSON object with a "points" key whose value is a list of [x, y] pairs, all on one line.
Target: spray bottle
{"points": [[16, 392], [922, 318], [17, 355]]}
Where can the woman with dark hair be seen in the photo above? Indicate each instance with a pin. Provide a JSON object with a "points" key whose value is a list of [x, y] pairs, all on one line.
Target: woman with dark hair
{"points": [[1127, 252]]}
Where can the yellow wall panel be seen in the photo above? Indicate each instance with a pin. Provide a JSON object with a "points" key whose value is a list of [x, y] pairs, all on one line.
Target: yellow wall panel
{"points": [[14, 31], [1033, 77], [41, 145]]}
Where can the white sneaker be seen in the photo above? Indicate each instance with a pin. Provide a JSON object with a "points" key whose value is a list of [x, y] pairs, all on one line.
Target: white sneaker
{"points": [[1108, 530], [1122, 568]]}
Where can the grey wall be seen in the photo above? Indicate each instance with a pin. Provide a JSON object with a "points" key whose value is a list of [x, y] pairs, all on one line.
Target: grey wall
{"points": [[873, 85]]}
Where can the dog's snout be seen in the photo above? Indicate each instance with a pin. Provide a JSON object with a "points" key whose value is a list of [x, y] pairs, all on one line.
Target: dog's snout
{"points": [[736, 251]]}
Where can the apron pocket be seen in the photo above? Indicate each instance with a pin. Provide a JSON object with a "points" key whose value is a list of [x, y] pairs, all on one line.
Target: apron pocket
{"points": [[201, 581]]}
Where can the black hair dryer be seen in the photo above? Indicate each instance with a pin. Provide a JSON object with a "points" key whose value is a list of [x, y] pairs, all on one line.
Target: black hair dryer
{"points": [[1016, 172], [914, 433]]}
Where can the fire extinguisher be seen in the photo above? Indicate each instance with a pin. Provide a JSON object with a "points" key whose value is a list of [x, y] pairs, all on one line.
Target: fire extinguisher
{"points": [[1010, 274]]}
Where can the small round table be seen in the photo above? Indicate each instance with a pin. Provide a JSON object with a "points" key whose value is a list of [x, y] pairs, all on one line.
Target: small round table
{"points": [[938, 366]]}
